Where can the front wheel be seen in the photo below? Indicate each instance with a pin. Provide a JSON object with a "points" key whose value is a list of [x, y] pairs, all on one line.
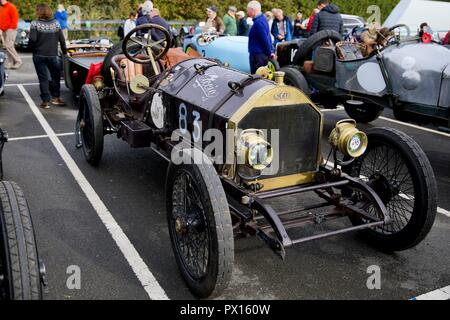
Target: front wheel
{"points": [[362, 112], [398, 170], [19, 264], [200, 228]]}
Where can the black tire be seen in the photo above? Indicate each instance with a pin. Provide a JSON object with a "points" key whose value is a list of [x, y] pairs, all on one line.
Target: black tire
{"points": [[364, 112], [412, 198], [293, 77], [214, 224], [19, 262], [91, 126], [315, 40]]}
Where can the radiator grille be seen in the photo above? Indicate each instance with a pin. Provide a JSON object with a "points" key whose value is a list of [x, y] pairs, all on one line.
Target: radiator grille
{"points": [[299, 131]]}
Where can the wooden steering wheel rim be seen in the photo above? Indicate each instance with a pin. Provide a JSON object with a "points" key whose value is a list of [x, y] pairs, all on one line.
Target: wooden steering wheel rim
{"points": [[148, 27]]}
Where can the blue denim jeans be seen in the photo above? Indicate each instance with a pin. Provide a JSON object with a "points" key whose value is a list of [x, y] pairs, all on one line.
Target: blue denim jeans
{"points": [[48, 70]]}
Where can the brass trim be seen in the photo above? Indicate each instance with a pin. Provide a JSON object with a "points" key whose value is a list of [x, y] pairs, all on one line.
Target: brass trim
{"points": [[287, 181], [265, 97]]}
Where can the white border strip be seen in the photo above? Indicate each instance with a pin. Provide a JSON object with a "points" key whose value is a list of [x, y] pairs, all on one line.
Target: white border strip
{"points": [[439, 294], [444, 134], [148, 281], [40, 137]]}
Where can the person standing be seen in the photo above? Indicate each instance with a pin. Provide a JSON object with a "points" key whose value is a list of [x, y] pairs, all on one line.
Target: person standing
{"points": [[130, 24], [9, 20], [299, 30], [328, 18], [259, 41], [242, 25], [147, 8], [213, 20], [229, 21], [311, 20], [281, 28], [155, 18], [61, 17], [45, 34]]}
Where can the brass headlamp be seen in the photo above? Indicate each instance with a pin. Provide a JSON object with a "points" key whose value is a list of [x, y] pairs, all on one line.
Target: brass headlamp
{"points": [[348, 139], [255, 150]]}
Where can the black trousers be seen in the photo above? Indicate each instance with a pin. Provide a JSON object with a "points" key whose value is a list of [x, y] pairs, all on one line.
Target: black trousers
{"points": [[48, 70], [257, 61]]}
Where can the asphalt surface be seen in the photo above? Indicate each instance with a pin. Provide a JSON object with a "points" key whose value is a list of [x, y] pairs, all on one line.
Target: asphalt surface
{"points": [[131, 185]]}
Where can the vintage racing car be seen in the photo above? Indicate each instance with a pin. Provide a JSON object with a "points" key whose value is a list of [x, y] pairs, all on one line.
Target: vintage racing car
{"points": [[235, 142], [408, 75], [3, 73], [21, 271]]}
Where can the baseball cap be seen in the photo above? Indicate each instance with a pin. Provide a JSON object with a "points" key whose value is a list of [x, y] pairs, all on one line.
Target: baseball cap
{"points": [[212, 8]]}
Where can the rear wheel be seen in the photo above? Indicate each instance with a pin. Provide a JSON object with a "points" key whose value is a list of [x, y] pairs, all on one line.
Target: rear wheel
{"points": [[293, 77], [19, 264], [400, 173], [362, 112], [200, 228], [91, 125]]}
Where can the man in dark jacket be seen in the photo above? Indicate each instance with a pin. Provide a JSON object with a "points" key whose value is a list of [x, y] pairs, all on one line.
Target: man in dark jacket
{"points": [[242, 25], [260, 45], [327, 19]]}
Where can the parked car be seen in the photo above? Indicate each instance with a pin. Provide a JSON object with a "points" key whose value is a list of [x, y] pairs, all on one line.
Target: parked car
{"points": [[21, 272], [80, 56], [3, 74], [23, 34], [408, 76], [215, 193], [231, 51]]}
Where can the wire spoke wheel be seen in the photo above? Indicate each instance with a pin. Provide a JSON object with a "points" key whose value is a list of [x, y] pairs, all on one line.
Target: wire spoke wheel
{"points": [[398, 170], [200, 226], [191, 226]]}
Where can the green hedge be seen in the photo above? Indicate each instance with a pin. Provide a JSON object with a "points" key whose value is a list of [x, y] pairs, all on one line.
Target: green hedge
{"points": [[195, 9]]}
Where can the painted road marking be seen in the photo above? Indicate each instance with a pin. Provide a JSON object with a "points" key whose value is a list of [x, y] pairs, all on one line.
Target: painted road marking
{"points": [[439, 294], [40, 137], [148, 281], [444, 134], [24, 84]]}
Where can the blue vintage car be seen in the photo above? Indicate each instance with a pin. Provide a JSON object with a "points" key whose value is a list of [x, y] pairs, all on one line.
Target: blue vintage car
{"points": [[231, 51], [3, 74]]}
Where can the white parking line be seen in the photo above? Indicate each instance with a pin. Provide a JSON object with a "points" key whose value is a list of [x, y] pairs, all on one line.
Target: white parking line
{"points": [[148, 281], [439, 294], [444, 134], [24, 84], [40, 137]]}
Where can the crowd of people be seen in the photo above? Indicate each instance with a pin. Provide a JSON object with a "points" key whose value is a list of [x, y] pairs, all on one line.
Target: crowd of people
{"points": [[49, 32]]}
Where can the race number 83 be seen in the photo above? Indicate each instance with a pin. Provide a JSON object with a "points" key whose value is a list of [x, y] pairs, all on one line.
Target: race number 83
{"points": [[183, 122]]}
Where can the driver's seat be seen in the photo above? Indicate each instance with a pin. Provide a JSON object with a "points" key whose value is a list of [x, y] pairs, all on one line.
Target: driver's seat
{"points": [[125, 75]]}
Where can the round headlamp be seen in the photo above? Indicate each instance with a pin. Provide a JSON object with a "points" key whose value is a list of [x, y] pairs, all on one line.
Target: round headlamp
{"points": [[256, 151], [348, 139]]}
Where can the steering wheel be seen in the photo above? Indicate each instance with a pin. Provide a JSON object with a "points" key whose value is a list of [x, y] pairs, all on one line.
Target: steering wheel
{"points": [[133, 46]]}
